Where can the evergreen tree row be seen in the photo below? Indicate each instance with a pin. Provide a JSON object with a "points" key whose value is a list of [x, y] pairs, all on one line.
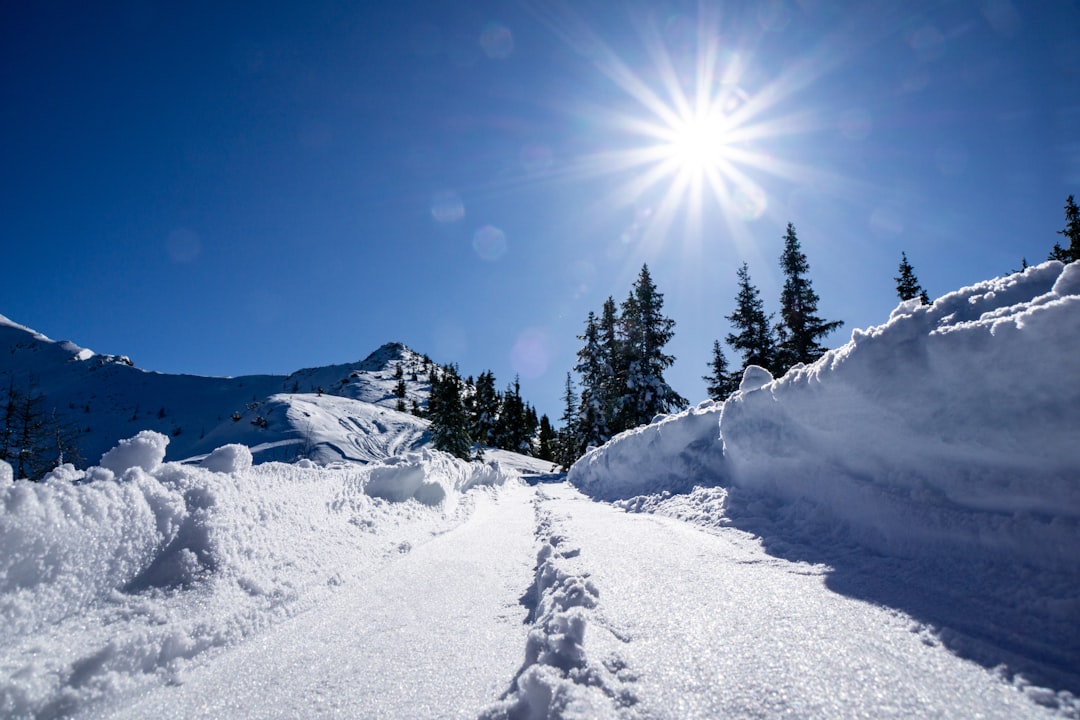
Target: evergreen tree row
{"points": [[621, 368], [467, 416], [795, 339], [777, 347]]}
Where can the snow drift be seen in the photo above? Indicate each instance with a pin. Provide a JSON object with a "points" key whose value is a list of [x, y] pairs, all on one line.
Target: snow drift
{"points": [[116, 576], [951, 428]]}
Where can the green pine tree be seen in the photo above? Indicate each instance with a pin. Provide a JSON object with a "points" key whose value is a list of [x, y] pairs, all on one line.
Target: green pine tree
{"points": [[907, 285], [569, 444], [801, 328], [593, 369], [485, 409], [721, 383], [547, 440], [755, 339], [1071, 231], [645, 331], [449, 425]]}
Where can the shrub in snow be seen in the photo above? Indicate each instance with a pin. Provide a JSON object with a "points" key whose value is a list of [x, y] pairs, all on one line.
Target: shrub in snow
{"points": [[145, 451], [228, 459]]}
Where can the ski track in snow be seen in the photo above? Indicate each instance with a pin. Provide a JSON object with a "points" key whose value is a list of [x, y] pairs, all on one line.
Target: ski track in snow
{"points": [[641, 616], [434, 633]]}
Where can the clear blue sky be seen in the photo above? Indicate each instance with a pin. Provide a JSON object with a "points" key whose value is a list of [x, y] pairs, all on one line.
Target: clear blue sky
{"points": [[235, 188]]}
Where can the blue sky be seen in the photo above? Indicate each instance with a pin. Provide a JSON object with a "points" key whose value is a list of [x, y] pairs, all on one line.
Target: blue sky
{"points": [[263, 187]]}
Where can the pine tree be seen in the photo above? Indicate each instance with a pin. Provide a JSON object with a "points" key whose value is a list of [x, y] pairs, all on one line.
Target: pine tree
{"points": [[756, 339], [1071, 231], [547, 440], [449, 425], [907, 285], [592, 428], [800, 327], [721, 383], [485, 409], [569, 444], [513, 429], [645, 332]]}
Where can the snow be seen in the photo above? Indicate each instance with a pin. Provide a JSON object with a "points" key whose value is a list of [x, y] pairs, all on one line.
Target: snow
{"points": [[888, 532], [117, 578], [696, 625]]}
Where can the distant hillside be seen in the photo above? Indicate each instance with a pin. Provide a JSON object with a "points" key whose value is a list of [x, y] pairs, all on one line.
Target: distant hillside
{"points": [[327, 413]]}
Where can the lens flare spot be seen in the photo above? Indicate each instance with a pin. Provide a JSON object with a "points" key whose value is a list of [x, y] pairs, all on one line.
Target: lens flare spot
{"points": [[531, 354], [773, 15], [855, 124], [447, 207], [183, 246], [497, 41], [749, 201], [535, 157], [928, 43], [951, 160], [885, 222], [489, 242]]}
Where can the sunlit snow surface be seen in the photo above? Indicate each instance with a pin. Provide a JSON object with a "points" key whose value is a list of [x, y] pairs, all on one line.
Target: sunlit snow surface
{"points": [[890, 532]]}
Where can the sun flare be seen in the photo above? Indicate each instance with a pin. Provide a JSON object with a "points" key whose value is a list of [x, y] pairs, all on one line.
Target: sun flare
{"points": [[696, 143], [698, 134]]}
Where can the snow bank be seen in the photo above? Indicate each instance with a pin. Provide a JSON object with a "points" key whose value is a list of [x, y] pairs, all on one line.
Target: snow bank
{"points": [[228, 459], [430, 477], [115, 577], [949, 429], [674, 454]]}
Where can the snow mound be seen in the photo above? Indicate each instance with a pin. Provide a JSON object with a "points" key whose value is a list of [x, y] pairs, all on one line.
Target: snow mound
{"points": [[430, 477], [232, 458], [672, 454], [113, 578], [145, 451], [949, 429]]}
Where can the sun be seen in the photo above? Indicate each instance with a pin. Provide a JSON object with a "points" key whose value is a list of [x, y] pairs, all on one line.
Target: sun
{"points": [[696, 143], [695, 135]]}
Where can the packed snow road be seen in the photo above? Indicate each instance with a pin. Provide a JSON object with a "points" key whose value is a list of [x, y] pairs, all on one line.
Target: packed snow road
{"points": [[436, 633], [617, 615], [674, 622]]}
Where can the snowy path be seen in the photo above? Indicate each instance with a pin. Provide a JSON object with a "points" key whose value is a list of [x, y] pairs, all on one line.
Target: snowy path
{"points": [[437, 633], [684, 623], [631, 616]]}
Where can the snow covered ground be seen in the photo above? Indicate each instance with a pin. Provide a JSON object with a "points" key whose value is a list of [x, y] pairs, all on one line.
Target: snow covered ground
{"points": [[890, 532]]}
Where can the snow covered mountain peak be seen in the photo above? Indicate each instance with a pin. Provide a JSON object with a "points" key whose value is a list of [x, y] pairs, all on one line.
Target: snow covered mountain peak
{"points": [[102, 399], [392, 354]]}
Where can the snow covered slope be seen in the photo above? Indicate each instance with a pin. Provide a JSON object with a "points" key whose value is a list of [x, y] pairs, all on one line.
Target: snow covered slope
{"points": [[326, 411], [114, 578], [944, 440]]}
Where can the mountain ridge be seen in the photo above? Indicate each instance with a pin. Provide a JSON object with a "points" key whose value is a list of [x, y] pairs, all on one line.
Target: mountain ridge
{"points": [[104, 398]]}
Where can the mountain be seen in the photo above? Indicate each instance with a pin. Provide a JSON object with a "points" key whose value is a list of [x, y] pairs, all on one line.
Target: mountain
{"points": [[326, 413]]}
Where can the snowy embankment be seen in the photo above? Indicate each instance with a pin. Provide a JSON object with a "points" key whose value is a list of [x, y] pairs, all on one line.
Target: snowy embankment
{"points": [[931, 462], [951, 428], [114, 577]]}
